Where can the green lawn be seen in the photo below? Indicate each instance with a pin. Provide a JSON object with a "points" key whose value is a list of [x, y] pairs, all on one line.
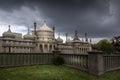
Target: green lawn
{"points": [[51, 72]]}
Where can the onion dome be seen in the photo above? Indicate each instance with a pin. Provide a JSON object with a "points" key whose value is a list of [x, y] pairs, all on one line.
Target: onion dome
{"points": [[8, 34], [76, 38], [45, 27], [28, 36], [59, 40]]}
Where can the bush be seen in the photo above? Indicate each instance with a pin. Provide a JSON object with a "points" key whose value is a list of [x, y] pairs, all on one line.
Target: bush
{"points": [[58, 60], [106, 46]]}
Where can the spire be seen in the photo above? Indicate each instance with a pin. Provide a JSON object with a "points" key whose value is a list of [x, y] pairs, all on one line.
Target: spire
{"points": [[45, 21], [35, 24], [28, 30], [59, 39], [76, 36], [86, 39], [53, 28], [53, 31], [59, 35], [9, 30], [66, 36], [90, 40]]}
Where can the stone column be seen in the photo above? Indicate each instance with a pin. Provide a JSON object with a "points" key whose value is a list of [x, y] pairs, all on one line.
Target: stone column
{"points": [[43, 47], [52, 47], [95, 63], [48, 48]]}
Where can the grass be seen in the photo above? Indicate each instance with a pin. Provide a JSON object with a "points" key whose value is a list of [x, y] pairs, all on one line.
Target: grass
{"points": [[51, 72]]}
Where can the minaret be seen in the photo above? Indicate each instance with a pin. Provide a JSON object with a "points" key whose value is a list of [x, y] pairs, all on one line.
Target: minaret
{"points": [[86, 39], [66, 37], [53, 32], [35, 24]]}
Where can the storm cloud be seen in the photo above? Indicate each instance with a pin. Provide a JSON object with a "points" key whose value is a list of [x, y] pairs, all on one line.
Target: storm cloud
{"points": [[98, 18]]}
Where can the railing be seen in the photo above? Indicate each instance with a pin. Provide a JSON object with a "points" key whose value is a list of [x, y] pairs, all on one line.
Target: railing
{"points": [[96, 63], [78, 61], [20, 59], [111, 62], [100, 62]]}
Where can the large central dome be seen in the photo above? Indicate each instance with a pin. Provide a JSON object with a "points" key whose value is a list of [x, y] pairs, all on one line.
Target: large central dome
{"points": [[45, 27], [45, 33]]}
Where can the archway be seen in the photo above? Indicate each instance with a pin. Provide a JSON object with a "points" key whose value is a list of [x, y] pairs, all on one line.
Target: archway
{"points": [[45, 48], [50, 48], [41, 48]]}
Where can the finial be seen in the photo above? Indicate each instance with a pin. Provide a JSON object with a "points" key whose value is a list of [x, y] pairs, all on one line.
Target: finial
{"points": [[35, 23], [90, 40], [85, 34], [76, 33], [76, 36], [66, 34], [53, 28], [9, 28], [59, 35], [86, 37], [45, 21]]}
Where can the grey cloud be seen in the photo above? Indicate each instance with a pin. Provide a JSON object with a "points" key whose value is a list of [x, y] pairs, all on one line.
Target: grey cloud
{"points": [[98, 18]]}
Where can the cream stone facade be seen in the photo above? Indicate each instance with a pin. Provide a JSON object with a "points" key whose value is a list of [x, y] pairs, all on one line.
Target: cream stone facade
{"points": [[42, 40]]}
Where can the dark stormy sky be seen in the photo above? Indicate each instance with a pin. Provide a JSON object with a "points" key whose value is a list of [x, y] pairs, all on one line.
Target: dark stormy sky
{"points": [[98, 18]]}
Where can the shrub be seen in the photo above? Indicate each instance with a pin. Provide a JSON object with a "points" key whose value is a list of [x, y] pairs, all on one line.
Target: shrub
{"points": [[106, 46], [58, 60]]}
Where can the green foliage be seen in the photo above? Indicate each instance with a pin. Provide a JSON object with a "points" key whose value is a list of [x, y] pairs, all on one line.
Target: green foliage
{"points": [[105, 45], [58, 60]]}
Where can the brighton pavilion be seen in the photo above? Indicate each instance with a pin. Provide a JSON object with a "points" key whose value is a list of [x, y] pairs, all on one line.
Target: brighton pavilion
{"points": [[42, 40]]}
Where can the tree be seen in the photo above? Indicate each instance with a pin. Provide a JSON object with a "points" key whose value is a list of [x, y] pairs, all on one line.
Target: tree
{"points": [[106, 46]]}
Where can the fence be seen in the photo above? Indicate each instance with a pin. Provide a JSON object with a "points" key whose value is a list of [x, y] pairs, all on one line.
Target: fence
{"points": [[111, 62], [20, 59], [96, 63], [79, 61], [99, 62]]}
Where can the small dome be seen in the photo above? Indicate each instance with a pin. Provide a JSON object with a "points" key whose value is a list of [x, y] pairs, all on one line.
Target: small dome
{"points": [[8, 34], [59, 40], [28, 37], [45, 27], [69, 41]]}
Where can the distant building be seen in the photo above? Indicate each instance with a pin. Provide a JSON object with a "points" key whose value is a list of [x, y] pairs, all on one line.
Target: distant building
{"points": [[41, 40]]}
